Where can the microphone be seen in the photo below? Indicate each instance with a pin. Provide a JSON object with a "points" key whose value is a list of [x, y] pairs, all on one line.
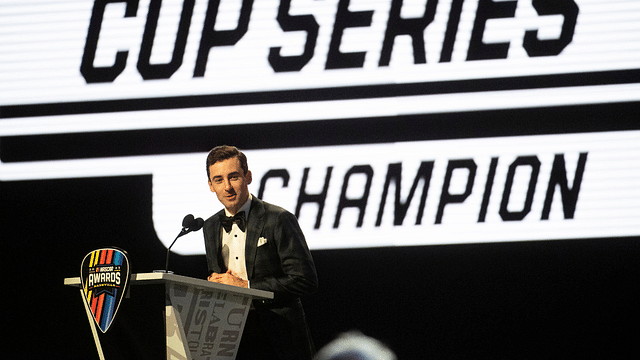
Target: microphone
{"points": [[189, 224], [186, 224]]}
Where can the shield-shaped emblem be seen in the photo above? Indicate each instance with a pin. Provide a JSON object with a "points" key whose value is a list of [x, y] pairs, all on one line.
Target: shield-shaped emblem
{"points": [[104, 275]]}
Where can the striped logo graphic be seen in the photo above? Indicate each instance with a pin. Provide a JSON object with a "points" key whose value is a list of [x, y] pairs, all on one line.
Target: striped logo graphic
{"points": [[104, 275]]}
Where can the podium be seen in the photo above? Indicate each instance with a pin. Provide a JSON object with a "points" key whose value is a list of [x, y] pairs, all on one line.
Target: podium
{"points": [[174, 317]]}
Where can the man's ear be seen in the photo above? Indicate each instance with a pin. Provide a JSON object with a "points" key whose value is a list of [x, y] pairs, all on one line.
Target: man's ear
{"points": [[248, 177], [211, 187]]}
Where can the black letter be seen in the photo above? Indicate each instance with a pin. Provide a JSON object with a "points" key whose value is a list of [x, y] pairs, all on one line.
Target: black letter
{"points": [[226, 349], [345, 19], [412, 27], [94, 74], [452, 30], [394, 173], [287, 22], [163, 71], [280, 173], [211, 37], [303, 197], [569, 10], [358, 203], [446, 197], [487, 189], [559, 177], [487, 9], [535, 170]]}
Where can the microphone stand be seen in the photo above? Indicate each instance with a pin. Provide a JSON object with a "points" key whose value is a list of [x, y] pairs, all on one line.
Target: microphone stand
{"points": [[189, 224], [166, 263]]}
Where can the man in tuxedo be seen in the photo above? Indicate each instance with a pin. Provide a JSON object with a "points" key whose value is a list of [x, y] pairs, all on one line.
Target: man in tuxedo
{"points": [[254, 244]]}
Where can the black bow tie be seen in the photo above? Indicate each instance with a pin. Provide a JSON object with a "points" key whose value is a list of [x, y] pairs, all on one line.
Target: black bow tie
{"points": [[227, 221]]}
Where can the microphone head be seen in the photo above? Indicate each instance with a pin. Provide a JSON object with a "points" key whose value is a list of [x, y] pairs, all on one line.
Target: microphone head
{"points": [[197, 224], [187, 222]]}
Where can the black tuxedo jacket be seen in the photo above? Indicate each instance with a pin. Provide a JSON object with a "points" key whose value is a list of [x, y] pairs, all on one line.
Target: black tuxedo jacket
{"points": [[278, 260]]}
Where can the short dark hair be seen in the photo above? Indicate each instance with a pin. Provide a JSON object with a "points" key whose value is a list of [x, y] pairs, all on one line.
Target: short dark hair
{"points": [[224, 152]]}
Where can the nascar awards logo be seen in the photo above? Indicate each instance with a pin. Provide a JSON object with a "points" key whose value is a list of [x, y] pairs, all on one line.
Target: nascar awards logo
{"points": [[104, 275]]}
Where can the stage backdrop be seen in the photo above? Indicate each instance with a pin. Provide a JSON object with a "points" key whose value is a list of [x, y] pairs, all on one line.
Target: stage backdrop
{"points": [[467, 173]]}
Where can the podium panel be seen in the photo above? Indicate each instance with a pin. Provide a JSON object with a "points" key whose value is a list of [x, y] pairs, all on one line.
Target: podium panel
{"points": [[175, 317]]}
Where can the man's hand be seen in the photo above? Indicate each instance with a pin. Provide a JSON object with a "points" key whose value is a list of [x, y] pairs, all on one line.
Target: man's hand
{"points": [[228, 278]]}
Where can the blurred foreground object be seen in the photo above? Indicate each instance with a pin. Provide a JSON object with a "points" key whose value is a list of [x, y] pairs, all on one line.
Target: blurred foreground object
{"points": [[354, 345]]}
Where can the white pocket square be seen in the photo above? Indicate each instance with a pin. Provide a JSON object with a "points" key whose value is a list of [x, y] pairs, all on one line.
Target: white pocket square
{"points": [[262, 241]]}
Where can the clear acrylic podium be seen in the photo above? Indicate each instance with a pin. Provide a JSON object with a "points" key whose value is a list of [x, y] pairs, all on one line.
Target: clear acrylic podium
{"points": [[174, 317]]}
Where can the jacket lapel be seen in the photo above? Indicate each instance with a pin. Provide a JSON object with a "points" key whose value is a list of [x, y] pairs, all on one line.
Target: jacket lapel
{"points": [[255, 223], [217, 231]]}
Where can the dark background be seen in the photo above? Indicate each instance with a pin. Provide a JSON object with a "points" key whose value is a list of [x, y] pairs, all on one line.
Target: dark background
{"points": [[539, 299]]}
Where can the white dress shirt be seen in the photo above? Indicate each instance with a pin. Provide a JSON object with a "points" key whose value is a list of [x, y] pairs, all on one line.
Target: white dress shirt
{"points": [[233, 244]]}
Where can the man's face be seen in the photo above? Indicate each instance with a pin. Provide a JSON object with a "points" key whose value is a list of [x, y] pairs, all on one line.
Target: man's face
{"points": [[230, 183]]}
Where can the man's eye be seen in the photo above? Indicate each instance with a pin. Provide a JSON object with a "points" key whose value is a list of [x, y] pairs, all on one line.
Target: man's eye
{"points": [[235, 177]]}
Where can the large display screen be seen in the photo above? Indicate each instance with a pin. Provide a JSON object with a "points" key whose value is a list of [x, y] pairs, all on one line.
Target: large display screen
{"points": [[377, 122]]}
